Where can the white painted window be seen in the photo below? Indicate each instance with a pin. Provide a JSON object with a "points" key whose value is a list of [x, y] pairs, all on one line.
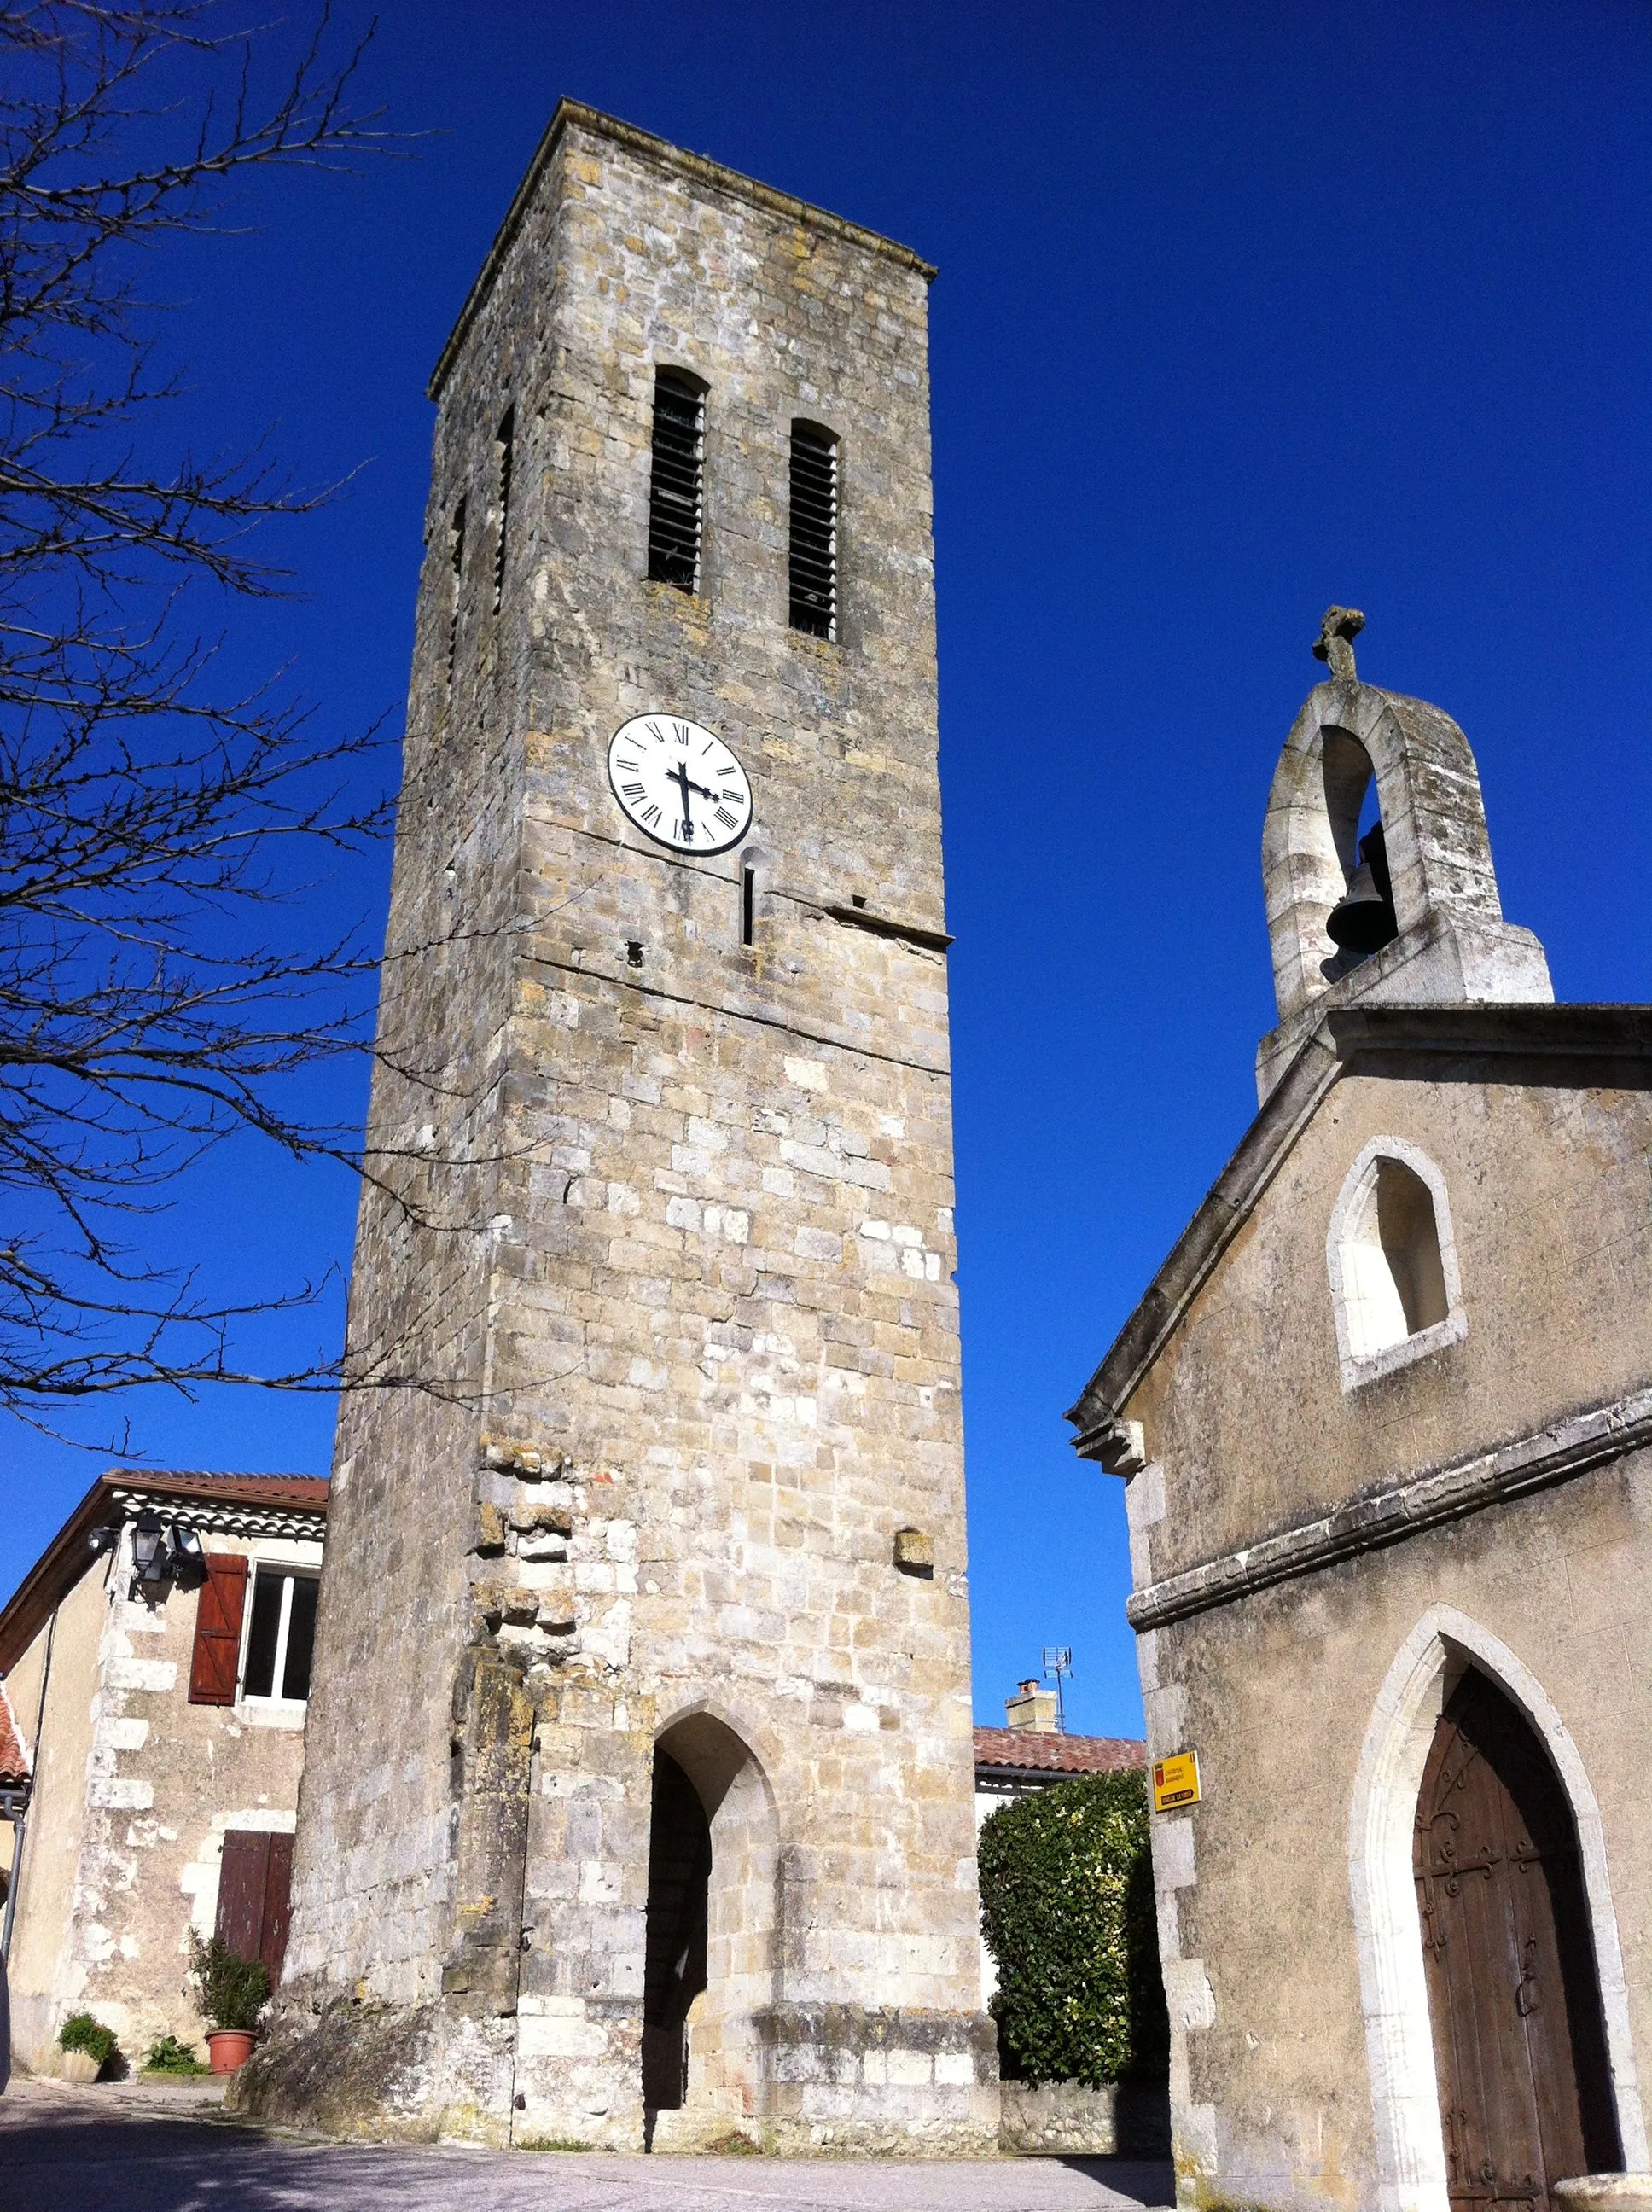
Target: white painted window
{"points": [[280, 1636], [1393, 1262]]}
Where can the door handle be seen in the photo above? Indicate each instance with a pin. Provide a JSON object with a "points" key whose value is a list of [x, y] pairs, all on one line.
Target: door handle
{"points": [[1526, 1989]]}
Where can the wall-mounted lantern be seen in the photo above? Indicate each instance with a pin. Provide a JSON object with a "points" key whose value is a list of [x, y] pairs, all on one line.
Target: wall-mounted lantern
{"points": [[188, 1559], [150, 1553], [161, 1554]]}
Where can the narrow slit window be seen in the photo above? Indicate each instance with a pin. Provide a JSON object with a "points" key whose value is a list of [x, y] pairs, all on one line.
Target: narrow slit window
{"points": [[456, 578], [505, 447], [814, 530], [675, 493], [748, 902]]}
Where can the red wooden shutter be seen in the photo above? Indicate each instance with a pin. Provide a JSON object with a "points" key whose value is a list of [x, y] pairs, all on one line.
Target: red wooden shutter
{"points": [[241, 1879], [277, 1907], [217, 1659]]}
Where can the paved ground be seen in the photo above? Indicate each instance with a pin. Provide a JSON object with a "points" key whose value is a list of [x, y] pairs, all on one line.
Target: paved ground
{"points": [[121, 2148]]}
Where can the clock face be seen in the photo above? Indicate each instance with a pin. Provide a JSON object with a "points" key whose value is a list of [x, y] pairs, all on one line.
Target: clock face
{"points": [[679, 783]]}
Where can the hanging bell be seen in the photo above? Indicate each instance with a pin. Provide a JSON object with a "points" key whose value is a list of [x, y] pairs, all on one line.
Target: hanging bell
{"points": [[1363, 920]]}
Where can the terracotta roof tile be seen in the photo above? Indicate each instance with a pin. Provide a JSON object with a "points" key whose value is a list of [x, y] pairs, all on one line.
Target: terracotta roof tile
{"points": [[1041, 1751], [291, 1490], [14, 1763]]}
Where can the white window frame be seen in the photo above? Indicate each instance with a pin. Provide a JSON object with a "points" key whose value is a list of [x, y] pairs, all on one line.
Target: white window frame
{"points": [[1359, 1369], [291, 1571]]}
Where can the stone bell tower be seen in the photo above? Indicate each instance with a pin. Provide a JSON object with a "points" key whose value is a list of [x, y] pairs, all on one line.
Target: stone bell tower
{"points": [[1431, 932], [638, 1787]]}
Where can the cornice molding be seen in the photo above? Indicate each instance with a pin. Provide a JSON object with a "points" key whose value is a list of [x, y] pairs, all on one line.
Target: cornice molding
{"points": [[1536, 1461], [224, 1517], [886, 925]]}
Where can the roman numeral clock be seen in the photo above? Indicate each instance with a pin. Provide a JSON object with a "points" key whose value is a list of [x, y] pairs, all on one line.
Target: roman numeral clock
{"points": [[679, 784]]}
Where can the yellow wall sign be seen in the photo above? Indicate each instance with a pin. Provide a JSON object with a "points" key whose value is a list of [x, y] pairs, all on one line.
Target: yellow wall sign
{"points": [[1175, 1781]]}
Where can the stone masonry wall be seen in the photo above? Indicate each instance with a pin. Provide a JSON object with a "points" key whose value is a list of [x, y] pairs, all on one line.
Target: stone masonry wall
{"points": [[1545, 1257], [700, 1335]]}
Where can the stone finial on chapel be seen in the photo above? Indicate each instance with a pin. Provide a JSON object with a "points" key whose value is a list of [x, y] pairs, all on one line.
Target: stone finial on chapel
{"points": [[1335, 643]]}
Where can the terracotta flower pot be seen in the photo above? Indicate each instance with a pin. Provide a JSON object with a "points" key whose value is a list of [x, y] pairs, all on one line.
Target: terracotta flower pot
{"points": [[230, 2047]]}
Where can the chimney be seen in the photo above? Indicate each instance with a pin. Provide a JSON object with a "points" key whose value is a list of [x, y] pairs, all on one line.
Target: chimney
{"points": [[1031, 1707]]}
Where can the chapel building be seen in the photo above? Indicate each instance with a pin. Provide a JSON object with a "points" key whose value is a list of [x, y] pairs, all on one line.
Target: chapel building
{"points": [[1385, 1416], [637, 1804]]}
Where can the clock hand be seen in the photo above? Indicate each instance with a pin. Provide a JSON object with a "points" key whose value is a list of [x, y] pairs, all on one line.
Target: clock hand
{"points": [[679, 775]]}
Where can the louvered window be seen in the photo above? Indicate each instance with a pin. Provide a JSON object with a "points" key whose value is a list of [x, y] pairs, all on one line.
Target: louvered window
{"points": [[814, 530], [675, 495]]}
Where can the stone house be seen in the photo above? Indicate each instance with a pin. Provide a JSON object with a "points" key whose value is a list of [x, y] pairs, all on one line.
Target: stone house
{"points": [[638, 1787], [1385, 1416], [157, 1663]]}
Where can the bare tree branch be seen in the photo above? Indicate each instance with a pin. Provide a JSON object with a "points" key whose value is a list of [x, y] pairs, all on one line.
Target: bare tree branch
{"points": [[163, 981]]}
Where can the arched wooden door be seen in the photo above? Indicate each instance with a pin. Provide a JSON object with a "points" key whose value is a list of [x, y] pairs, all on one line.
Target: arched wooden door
{"points": [[1519, 2042]]}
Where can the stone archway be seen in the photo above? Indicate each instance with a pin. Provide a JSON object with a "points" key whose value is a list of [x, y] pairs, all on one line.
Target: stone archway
{"points": [[713, 1934], [1519, 2036], [1399, 2044], [674, 1972]]}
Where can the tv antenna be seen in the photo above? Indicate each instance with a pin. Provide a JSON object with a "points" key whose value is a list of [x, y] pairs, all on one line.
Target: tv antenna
{"points": [[1058, 1661]]}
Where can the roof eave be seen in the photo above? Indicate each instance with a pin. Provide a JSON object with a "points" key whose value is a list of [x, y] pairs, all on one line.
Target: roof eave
{"points": [[53, 1575], [1020, 1776]]}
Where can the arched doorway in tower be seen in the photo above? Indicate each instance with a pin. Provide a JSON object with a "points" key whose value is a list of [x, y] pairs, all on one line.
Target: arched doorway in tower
{"points": [[1515, 2003], [710, 1964], [674, 1973]]}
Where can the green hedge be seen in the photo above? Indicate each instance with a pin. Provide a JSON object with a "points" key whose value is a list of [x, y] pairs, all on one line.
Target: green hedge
{"points": [[1066, 1906]]}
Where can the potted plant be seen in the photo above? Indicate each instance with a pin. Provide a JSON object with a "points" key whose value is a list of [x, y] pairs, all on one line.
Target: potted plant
{"points": [[233, 1992], [173, 2060], [87, 2045]]}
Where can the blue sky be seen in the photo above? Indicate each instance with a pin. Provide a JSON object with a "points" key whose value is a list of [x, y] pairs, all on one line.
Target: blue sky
{"points": [[1241, 311]]}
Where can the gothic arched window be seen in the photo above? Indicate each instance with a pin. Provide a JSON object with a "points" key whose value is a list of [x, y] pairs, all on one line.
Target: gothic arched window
{"points": [[1393, 1263]]}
